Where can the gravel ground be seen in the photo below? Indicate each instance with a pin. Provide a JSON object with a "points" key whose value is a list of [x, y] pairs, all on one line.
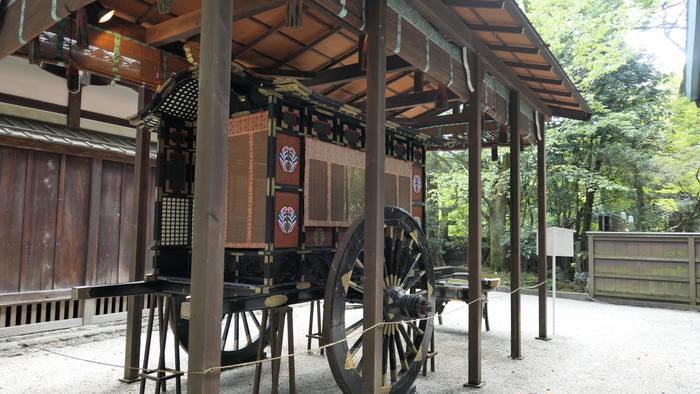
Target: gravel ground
{"points": [[597, 348]]}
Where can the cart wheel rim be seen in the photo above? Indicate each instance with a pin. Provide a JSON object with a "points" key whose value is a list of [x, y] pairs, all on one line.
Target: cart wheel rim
{"points": [[407, 269]]}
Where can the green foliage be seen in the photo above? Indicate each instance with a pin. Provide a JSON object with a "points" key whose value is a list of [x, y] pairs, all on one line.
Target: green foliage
{"points": [[640, 153]]}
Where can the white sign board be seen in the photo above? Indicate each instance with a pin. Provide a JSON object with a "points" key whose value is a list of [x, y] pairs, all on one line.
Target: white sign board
{"points": [[560, 242]]}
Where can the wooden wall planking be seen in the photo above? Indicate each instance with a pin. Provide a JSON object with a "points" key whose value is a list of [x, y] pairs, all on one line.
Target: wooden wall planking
{"points": [[71, 240], [37, 269], [45, 204], [13, 168], [107, 267], [126, 254]]}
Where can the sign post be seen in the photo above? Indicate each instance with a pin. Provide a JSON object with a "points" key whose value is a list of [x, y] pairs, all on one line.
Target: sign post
{"points": [[560, 242]]}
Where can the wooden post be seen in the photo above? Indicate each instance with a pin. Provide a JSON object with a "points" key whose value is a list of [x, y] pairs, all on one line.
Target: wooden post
{"points": [[374, 196], [692, 275], [210, 196], [542, 229], [139, 232], [73, 112], [474, 114], [514, 113]]}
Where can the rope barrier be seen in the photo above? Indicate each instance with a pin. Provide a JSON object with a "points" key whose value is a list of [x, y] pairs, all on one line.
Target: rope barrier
{"points": [[245, 364], [254, 362]]}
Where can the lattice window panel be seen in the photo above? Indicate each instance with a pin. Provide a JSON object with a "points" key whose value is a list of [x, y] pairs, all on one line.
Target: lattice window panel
{"points": [[176, 221], [182, 103]]}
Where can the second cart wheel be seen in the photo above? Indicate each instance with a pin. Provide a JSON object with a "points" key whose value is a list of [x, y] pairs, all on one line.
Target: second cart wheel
{"points": [[240, 334], [408, 299]]}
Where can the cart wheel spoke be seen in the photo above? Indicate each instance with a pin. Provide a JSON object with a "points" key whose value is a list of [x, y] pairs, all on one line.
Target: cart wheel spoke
{"points": [[408, 277]]}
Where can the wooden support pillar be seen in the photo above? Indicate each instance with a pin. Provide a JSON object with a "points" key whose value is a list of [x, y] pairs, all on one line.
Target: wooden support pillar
{"points": [[542, 228], [374, 196], [210, 196], [139, 232], [73, 112], [474, 114], [514, 112]]}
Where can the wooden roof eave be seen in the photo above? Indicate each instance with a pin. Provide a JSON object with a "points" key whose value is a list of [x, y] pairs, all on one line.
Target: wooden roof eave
{"points": [[440, 15], [521, 19]]}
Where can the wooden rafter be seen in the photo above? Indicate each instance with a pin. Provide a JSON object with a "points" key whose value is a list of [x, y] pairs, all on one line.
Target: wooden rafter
{"points": [[530, 66], [474, 3], [541, 80], [497, 29], [247, 47], [514, 49], [389, 81], [308, 46]]}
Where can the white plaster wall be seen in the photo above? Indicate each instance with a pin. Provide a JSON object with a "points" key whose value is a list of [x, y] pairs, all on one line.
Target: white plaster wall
{"points": [[19, 78]]}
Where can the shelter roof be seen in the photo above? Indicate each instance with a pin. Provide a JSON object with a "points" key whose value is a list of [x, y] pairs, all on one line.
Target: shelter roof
{"points": [[426, 43]]}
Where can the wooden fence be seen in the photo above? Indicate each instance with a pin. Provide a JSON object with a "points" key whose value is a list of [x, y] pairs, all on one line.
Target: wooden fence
{"points": [[645, 266], [65, 220]]}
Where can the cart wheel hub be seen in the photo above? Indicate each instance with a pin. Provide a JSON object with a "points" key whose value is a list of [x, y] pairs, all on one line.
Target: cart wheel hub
{"points": [[399, 305]]}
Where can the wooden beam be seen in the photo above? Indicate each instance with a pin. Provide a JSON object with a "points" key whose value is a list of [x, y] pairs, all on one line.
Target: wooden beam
{"points": [[474, 3], [61, 109], [276, 72], [272, 30], [308, 46], [496, 28], [73, 110], [540, 80], [450, 24], [417, 81], [388, 82], [409, 100], [354, 72], [190, 24], [530, 66], [552, 92], [20, 26], [571, 114], [509, 48], [440, 120]]}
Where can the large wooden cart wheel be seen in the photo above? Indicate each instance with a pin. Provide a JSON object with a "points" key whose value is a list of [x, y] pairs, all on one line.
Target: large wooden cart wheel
{"points": [[408, 299], [240, 334]]}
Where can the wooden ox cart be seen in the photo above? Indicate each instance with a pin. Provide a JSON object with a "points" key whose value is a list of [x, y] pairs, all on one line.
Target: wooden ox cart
{"points": [[294, 223]]}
